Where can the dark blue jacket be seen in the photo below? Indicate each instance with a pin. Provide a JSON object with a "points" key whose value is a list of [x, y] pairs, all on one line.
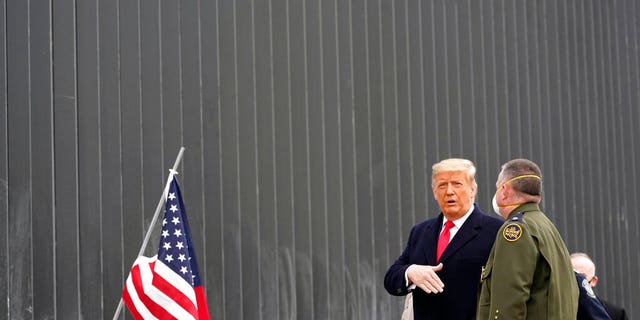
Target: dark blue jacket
{"points": [[462, 261], [589, 307]]}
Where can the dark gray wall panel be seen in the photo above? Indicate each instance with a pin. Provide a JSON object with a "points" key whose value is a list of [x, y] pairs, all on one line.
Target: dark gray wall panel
{"points": [[171, 111], [232, 283], [267, 223], [154, 168], [111, 154], [283, 185], [66, 162], [4, 164], [316, 164], [42, 149], [89, 178], [310, 129], [212, 259], [132, 225], [19, 219], [248, 215]]}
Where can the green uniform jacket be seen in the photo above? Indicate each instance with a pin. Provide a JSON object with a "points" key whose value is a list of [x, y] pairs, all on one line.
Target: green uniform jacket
{"points": [[528, 274]]}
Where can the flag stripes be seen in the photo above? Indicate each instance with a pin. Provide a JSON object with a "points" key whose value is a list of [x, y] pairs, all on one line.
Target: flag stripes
{"points": [[168, 285], [154, 296]]}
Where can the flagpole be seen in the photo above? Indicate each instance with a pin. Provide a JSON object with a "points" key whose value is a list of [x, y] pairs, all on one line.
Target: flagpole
{"points": [[163, 198]]}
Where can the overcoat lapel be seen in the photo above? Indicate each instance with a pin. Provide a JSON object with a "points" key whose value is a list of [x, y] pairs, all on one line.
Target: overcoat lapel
{"points": [[431, 241], [469, 230]]}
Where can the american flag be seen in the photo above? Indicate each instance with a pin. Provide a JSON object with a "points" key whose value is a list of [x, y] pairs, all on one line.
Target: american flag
{"points": [[167, 286]]}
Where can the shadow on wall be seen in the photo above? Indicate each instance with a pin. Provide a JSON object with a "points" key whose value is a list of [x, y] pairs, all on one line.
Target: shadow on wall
{"points": [[361, 298]]}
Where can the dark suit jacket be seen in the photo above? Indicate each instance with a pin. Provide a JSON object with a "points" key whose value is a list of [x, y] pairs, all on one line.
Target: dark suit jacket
{"points": [[589, 306], [462, 264], [615, 312]]}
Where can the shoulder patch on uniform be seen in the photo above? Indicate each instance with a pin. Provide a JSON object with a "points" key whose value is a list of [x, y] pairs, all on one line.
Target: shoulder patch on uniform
{"points": [[512, 232]]}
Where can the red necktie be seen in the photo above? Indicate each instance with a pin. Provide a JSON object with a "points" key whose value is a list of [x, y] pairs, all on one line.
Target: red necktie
{"points": [[443, 241]]}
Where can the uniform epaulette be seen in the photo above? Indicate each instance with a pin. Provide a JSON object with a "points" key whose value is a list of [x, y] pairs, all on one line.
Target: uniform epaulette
{"points": [[517, 217]]}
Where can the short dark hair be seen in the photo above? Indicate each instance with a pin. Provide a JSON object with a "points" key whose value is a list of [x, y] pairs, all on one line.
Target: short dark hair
{"points": [[520, 167]]}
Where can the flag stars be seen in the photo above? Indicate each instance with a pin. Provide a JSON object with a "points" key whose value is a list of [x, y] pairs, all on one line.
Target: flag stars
{"points": [[173, 256]]}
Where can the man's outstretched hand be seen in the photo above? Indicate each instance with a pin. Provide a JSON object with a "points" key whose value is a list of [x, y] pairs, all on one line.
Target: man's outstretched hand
{"points": [[425, 277]]}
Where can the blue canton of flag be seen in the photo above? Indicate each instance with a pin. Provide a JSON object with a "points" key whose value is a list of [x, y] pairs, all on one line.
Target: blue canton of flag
{"points": [[175, 249]]}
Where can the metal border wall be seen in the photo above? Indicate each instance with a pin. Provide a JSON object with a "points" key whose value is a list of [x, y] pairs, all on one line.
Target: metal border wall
{"points": [[310, 128]]}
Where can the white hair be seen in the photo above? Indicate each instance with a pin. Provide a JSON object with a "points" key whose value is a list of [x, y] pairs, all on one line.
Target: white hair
{"points": [[455, 164]]}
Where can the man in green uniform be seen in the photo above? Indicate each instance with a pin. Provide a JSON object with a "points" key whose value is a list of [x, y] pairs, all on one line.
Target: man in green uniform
{"points": [[528, 274]]}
